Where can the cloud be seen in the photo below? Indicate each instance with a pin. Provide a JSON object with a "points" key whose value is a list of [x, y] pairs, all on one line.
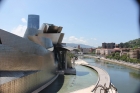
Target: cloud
{"points": [[73, 39], [23, 20], [81, 40], [19, 30]]}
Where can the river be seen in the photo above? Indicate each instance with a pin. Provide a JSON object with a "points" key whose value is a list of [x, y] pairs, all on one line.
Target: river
{"points": [[84, 78], [125, 79]]}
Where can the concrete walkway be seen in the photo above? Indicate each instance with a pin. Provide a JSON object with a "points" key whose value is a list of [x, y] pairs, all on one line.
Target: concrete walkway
{"points": [[104, 78]]}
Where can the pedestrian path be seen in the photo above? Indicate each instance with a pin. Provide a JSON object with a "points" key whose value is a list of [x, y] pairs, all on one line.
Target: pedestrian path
{"points": [[104, 79]]}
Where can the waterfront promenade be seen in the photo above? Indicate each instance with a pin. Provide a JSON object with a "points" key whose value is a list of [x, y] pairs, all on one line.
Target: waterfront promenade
{"points": [[87, 78], [137, 66], [103, 78]]}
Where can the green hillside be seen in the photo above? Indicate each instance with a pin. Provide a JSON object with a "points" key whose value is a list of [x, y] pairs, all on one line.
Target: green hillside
{"points": [[132, 43]]}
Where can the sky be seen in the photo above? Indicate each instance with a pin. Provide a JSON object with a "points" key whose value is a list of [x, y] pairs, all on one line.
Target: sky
{"points": [[89, 22]]}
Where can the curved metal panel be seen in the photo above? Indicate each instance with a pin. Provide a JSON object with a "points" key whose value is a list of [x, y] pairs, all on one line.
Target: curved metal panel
{"points": [[30, 32], [29, 83], [50, 28], [21, 44], [61, 38], [45, 42], [44, 28], [59, 29], [28, 54], [14, 60], [37, 40], [55, 37]]}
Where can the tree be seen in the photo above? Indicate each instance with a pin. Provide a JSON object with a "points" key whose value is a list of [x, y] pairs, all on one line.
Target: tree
{"points": [[126, 45], [117, 56]]}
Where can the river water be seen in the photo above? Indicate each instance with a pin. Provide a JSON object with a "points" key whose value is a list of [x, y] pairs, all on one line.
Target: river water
{"points": [[84, 78], [125, 79]]}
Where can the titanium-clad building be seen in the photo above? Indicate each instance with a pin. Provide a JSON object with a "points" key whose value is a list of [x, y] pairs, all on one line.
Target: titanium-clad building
{"points": [[32, 61], [33, 21]]}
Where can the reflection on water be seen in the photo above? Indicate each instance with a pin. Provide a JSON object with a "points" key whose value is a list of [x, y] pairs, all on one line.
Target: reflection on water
{"points": [[134, 75], [84, 78], [126, 79], [111, 66], [106, 63]]}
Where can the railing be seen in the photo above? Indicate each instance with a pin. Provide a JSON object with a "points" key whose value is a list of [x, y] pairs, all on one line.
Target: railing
{"points": [[113, 87], [105, 89]]}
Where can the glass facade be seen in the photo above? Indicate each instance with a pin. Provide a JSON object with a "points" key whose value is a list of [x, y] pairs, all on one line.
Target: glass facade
{"points": [[33, 21]]}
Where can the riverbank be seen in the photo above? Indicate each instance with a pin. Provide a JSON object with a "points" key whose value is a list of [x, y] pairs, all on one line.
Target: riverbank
{"points": [[136, 66], [103, 78]]}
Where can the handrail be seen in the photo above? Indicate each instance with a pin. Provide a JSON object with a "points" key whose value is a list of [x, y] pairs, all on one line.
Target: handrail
{"points": [[114, 87], [106, 90]]}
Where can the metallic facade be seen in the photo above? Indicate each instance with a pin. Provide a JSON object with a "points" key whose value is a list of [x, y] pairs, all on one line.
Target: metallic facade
{"points": [[30, 62], [55, 37]]}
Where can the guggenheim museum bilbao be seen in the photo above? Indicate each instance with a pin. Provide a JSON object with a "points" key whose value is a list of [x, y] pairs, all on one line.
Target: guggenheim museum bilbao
{"points": [[29, 62]]}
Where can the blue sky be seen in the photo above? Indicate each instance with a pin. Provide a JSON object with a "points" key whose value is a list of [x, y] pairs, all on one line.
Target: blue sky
{"points": [[88, 22]]}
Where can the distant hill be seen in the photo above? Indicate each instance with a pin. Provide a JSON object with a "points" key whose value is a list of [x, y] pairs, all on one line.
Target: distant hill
{"points": [[76, 45]]}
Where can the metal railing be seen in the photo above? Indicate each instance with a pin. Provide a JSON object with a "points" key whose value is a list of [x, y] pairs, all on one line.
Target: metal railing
{"points": [[113, 87], [105, 89]]}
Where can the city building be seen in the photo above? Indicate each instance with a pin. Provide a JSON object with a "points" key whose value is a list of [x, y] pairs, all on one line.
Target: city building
{"points": [[97, 51], [103, 45], [108, 48], [86, 50], [105, 52], [134, 53], [78, 46], [109, 51], [108, 45], [33, 21], [124, 51]]}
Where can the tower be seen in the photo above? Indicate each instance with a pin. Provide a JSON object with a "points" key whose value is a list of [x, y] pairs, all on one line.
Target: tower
{"points": [[33, 21]]}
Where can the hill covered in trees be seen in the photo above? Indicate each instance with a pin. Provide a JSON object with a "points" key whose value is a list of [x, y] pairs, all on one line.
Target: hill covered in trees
{"points": [[131, 44]]}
